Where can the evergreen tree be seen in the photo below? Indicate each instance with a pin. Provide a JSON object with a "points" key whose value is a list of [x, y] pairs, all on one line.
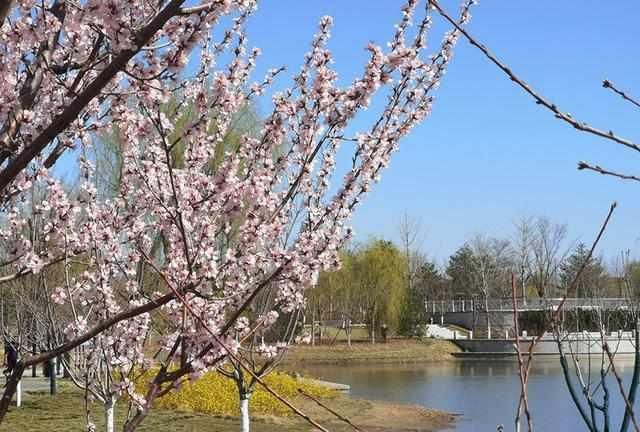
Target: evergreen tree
{"points": [[429, 285], [462, 271], [593, 277]]}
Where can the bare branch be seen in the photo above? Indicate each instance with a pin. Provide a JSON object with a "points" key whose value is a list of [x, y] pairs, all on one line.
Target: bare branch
{"points": [[609, 85], [566, 117], [43, 357], [523, 403], [629, 407], [597, 168]]}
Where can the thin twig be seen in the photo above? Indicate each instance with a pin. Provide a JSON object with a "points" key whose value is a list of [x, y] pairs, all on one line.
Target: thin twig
{"points": [[609, 85], [629, 407], [597, 168], [566, 117], [524, 371]]}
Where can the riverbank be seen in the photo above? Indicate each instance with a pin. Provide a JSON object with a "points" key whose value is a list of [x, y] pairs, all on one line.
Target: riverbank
{"points": [[64, 412], [394, 351]]}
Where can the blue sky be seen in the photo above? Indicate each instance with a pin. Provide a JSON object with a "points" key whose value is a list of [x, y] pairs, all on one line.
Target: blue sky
{"points": [[488, 155]]}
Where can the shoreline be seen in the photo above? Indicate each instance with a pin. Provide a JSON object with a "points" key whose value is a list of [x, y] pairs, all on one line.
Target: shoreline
{"points": [[371, 415]]}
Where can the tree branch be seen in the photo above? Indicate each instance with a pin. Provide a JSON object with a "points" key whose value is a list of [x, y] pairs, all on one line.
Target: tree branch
{"points": [[581, 126], [43, 357], [609, 85], [70, 114], [597, 168]]}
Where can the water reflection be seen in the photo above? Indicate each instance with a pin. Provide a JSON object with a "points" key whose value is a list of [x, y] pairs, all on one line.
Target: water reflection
{"points": [[485, 392]]}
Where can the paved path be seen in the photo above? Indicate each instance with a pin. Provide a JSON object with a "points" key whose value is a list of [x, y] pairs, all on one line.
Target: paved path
{"points": [[29, 384], [38, 384]]}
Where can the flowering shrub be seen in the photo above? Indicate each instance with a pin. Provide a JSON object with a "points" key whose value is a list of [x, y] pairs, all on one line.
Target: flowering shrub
{"points": [[216, 394]]}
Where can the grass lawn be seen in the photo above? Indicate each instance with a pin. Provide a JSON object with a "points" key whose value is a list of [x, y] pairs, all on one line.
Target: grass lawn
{"points": [[65, 412], [333, 333]]}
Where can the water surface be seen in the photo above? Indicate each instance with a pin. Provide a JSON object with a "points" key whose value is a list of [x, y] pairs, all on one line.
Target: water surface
{"points": [[485, 392]]}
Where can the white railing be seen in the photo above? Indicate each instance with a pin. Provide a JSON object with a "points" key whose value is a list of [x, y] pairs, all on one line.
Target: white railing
{"points": [[506, 304]]}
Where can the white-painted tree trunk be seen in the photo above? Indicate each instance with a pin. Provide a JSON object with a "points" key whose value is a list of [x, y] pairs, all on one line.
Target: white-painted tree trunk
{"points": [[19, 394], [245, 421], [109, 411]]}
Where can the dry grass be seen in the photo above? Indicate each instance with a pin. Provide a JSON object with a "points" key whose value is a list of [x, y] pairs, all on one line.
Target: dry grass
{"points": [[394, 351]]}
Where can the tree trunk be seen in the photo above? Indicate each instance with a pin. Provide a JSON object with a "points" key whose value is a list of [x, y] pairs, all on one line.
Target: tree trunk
{"points": [[245, 421], [486, 308], [53, 385], [34, 371], [19, 394], [373, 328], [10, 389], [313, 325], [524, 287], [109, 411]]}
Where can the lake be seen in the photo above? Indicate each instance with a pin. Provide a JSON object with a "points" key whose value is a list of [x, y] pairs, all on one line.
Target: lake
{"points": [[485, 392]]}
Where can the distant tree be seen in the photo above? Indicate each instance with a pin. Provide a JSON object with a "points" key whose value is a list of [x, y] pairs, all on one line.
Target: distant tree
{"points": [[493, 269], [410, 239], [378, 274], [428, 283], [628, 277], [521, 246], [335, 293], [548, 252], [462, 270], [634, 275], [593, 279], [494, 265]]}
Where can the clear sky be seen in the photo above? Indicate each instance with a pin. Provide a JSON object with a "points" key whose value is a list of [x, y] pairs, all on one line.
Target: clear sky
{"points": [[488, 155]]}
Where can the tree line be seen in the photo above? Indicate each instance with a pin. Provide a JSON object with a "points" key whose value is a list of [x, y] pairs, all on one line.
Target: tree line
{"points": [[386, 283]]}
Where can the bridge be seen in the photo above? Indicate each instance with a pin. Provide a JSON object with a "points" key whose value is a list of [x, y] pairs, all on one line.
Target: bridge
{"points": [[490, 318]]}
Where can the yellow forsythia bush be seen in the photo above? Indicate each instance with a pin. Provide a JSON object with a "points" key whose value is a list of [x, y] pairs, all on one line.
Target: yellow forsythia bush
{"points": [[217, 394]]}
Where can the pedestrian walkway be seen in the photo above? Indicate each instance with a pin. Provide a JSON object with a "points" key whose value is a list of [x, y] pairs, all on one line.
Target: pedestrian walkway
{"points": [[37, 384]]}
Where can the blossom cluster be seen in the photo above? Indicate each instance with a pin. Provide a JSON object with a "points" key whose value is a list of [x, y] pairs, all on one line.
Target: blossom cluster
{"points": [[196, 229]]}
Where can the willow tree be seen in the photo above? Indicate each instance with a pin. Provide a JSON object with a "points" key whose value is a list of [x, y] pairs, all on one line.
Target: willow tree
{"points": [[379, 272]]}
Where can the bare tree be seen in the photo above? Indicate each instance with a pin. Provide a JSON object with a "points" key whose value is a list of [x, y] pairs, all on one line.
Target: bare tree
{"points": [[410, 231], [493, 263], [548, 251], [522, 245]]}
